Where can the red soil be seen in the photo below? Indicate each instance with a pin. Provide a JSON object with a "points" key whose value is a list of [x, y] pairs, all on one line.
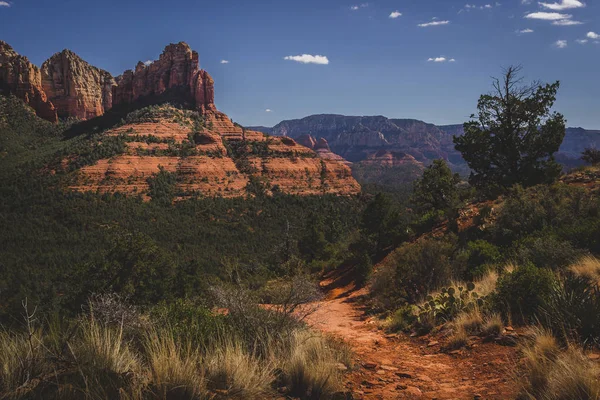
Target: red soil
{"points": [[400, 367]]}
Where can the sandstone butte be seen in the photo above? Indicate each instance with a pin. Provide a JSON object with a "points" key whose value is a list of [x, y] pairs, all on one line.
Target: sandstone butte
{"points": [[67, 86]]}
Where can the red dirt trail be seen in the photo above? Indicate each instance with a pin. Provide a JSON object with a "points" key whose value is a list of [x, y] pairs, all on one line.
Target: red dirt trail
{"points": [[400, 367]]}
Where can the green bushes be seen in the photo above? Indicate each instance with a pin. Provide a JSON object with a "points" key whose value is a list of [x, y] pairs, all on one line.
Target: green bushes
{"points": [[521, 292]]}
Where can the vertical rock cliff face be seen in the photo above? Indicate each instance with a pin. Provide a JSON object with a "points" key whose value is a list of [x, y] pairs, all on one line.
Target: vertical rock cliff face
{"points": [[177, 67], [23, 79], [76, 88]]}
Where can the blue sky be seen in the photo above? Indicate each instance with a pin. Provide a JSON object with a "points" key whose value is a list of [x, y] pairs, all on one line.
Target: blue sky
{"points": [[377, 65]]}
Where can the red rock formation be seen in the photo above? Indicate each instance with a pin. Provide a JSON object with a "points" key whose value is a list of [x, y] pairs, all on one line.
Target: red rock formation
{"points": [[76, 88], [23, 79], [177, 67], [307, 141]]}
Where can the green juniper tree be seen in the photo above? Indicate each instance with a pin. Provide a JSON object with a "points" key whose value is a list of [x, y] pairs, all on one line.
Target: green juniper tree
{"points": [[436, 190], [513, 137]]}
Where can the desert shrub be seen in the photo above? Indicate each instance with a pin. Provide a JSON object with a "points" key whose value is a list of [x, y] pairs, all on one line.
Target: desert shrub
{"points": [[571, 309], [480, 254], [547, 251], [550, 373], [591, 156], [521, 292], [188, 321], [402, 319], [422, 267]]}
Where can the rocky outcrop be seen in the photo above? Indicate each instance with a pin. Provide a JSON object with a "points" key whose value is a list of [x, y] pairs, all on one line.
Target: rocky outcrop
{"points": [[203, 164], [177, 68], [24, 80], [76, 88]]}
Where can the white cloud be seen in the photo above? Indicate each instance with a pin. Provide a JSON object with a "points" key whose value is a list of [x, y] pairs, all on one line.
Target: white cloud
{"points": [[593, 35], [433, 23], [567, 22], [395, 14], [526, 2], [268, 110], [4, 4], [441, 59], [146, 63], [561, 44], [525, 31], [548, 16], [582, 41], [224, 62], [308, 59], [563, 5]]}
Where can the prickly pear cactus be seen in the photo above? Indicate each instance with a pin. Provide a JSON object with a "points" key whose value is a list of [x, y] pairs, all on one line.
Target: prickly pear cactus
{"points": [[450, 302]]}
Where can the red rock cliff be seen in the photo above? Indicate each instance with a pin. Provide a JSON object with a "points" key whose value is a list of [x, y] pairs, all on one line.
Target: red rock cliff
{"points": [[177, 67], [76, 88], [23, 79]]}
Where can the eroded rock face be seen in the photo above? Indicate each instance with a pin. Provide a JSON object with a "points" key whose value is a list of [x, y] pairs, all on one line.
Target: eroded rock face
{"points": [[176, 68], [23, 79], [76, 88]]}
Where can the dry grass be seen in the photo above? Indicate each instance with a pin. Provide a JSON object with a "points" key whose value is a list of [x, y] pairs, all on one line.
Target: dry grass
{"points": [[229, 367], [175, 371], [21, 359], [587, 267], [552, 373], [312, 367], [102, 348], [458, 340], [492, 325], [469, 322]]}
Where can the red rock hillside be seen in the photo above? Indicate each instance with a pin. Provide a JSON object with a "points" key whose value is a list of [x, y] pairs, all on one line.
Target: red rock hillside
{"points": [[76, 88], [206, 152], [23, 79]]}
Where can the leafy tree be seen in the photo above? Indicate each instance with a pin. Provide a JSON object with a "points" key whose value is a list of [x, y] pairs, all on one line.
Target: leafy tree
{"points": [[591, 156], [514, 136], [313, 244], [436, 190]]}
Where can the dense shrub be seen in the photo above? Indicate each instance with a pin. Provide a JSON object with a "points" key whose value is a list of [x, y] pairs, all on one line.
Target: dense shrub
{"points": [[480, 255], [547, 251], [521, 292]]}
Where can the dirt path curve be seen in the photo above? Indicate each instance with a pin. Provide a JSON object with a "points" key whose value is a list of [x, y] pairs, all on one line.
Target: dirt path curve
{"points": [[400, 367]]}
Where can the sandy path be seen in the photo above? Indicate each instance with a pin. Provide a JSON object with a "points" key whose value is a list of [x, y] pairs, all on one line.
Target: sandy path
{"points": [[399, 367]]}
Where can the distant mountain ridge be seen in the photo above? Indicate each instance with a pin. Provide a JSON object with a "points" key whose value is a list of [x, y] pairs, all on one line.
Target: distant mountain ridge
{"points": [[358, 138]]}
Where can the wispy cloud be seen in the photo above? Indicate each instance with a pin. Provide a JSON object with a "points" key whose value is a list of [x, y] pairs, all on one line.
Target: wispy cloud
{"points": [[4, 4], [525, 31], [548, 16], [359, 6], [582, 41], [440, 60], [308, 59], [593, 35], [395, 14], [566, 22], [561, 44], [268, 110], [148, 62], [224, 61], [433, 23], [563, 5]]}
